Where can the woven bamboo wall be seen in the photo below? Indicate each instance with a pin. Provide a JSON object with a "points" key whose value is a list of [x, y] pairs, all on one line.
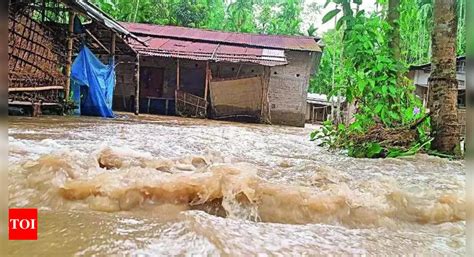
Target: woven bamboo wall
{"points": [[35, 60]]}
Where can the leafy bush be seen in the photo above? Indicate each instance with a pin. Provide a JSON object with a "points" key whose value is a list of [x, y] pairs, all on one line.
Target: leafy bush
{"points": [[368, 79]]}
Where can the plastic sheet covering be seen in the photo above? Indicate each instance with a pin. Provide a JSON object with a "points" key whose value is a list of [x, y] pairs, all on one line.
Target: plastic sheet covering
{"points": [[92, 85]]}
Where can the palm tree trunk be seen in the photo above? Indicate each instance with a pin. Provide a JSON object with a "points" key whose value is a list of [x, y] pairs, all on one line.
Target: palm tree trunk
{"points": [[442, 81]]}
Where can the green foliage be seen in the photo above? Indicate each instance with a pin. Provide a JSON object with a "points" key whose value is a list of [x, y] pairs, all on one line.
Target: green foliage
{"points": [[330, 66], [362, 69], [240, 16], [190, 13], [416, 22], [369, 75], [461, 36], [415, 31], [288, 20], [366, 76], [327, 134], [416, 26], [311, 31], [256, 16], [214, 15], [279, 17], [143, 11], [331, 14]]}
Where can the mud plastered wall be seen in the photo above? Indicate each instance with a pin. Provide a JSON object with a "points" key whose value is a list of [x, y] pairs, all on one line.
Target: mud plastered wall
{"points": [[237, 96]]}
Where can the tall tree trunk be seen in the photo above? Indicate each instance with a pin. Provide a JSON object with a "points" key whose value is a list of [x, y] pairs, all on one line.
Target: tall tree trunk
{"points": [[442, 81], [393, 18], [346, 12]]}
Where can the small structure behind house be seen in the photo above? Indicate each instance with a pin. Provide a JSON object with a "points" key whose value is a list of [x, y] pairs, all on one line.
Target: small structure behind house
{"points": [[318, 107], [420, 74], [220, 75]]}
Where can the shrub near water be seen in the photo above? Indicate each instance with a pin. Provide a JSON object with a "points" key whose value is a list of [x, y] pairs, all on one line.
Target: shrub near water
{"points": [[389, 118]]}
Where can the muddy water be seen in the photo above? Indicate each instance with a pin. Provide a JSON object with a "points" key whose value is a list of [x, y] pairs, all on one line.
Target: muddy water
{"points": [[170, 186]]}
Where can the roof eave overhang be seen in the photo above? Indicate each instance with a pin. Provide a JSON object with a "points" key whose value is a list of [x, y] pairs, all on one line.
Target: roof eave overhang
{"points": [[90, 10]]}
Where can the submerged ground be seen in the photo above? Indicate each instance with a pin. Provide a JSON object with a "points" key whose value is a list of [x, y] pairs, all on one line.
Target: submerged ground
{"points": [[173, 186]]}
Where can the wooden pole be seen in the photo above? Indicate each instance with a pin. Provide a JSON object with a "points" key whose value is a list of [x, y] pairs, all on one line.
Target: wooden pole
{"points": [[177, 74], [265, 113], [137, 86], [112, 48], [70, 41], [176, 107], [112, 62], [208, 75], [97, 41]]}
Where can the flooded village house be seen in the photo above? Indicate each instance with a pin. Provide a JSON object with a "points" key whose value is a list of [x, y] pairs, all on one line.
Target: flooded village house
{"points": [[44, 37], [159, 69], [220, 75]]}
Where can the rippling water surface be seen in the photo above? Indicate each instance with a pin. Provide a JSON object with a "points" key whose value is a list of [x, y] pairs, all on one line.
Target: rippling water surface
{"points": [[172, 186]]}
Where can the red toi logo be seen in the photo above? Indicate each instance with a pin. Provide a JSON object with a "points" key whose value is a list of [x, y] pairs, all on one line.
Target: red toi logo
{"points": [[23, 224]]}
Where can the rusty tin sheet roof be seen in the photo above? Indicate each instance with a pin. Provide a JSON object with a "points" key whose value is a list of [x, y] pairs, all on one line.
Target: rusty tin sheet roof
{"points": [[204, 51], [299, 43]]}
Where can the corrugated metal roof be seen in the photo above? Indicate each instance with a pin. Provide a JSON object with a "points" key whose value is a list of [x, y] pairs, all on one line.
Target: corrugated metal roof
{"points": [[204, 51], [322, 99], [299, 43]]}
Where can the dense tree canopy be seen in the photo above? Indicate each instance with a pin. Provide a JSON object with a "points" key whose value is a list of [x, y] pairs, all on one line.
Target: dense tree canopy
{"points": [[365, 62], [416, 26], [256, 16]]}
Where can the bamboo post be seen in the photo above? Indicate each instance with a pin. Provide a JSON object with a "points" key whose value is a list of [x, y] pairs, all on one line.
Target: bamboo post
{"points": [[265, 112], [176, 100], [97, 41], [112, 61], [112, 48], [177, 74], [70, 41], [137, 86], [208, 74]]}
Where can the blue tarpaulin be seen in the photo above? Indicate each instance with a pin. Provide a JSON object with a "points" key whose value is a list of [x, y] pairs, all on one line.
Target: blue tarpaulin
{"points": [[92, 85]]}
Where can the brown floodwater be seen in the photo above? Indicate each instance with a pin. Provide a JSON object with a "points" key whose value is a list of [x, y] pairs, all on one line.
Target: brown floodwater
{"points": [[153, 185]]}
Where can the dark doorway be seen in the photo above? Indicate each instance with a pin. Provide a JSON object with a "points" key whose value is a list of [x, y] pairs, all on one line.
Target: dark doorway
{"points": [[192, 80], [151, 82], [151, 92]]}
